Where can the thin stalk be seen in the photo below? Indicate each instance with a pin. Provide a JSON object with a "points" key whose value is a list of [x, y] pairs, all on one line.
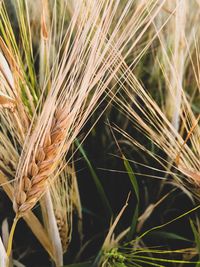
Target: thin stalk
{"points": [[10, 240], [53, 230], [3, 256]]}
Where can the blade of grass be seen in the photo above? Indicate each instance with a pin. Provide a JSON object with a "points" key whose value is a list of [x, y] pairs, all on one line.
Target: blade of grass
{"points": [[149, 263], [97, 182], [165, 224], [134, 183], [169, 235], [196, 239], [164, 260], [131, 176]]}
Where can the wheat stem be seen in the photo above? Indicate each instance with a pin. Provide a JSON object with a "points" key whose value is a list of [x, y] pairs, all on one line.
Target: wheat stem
{"points": [[53, 230], [10, 240]]}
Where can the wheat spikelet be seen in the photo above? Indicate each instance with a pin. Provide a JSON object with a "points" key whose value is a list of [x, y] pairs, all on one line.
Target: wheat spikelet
{"points": [[62, 191], [63, 231], [41, 166]]}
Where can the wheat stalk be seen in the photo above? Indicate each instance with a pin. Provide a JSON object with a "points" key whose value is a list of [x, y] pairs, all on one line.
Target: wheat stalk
{"points": [[3, 256]]}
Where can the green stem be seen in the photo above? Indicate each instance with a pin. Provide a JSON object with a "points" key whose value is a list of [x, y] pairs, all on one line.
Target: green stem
{"points": [[10, 240]]}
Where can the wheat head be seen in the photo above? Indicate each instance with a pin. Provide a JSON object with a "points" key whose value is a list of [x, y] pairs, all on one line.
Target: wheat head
{"points": [[41, 166]]}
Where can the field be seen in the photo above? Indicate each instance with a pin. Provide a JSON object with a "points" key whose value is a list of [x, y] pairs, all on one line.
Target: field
{"points": [[99, 133]]}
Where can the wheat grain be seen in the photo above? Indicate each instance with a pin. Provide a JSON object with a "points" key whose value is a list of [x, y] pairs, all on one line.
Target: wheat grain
{"points": [[41, 166], [62, 227]]}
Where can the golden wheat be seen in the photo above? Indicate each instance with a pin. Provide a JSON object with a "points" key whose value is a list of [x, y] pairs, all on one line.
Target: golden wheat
{"points": [[41, 166], [63, 231]]}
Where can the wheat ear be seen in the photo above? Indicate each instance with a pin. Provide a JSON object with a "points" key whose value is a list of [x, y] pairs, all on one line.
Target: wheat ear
{"points": [[41, 165], [62, 194]]}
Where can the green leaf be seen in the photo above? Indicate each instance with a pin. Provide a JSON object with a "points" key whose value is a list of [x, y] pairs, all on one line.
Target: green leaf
{"points": [[136, 190], [97, 182], [148, 263], [196, 239], [117, 264], [134, 222], [165, 224], [161, 260], [131, 176], [169, 235]]}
